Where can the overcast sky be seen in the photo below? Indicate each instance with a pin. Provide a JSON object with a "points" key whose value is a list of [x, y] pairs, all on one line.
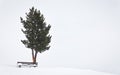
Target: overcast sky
{"points": [[85, 33]]}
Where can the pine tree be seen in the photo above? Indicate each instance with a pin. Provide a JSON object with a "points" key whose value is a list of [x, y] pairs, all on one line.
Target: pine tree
{"points": [[37, 32]]}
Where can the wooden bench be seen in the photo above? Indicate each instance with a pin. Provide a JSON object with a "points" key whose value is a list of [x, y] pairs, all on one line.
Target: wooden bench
{"points": [[27, 64]]}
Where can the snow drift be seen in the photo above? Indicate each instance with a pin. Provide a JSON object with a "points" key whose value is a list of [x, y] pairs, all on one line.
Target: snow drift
{"points": [[48, 71]]}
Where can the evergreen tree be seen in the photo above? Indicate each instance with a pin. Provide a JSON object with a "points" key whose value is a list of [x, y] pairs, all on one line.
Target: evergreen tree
{"points": [[37, 32]]}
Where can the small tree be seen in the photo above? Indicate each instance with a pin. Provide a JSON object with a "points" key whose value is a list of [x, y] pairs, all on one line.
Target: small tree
{"points": [[36, 31]]}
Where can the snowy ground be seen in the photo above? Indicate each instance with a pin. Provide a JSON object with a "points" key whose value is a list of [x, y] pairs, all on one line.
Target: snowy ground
{"points": [[85, 33], [47, 71]]}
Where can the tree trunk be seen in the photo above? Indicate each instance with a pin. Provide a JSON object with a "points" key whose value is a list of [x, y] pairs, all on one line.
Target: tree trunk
{"points": [[34, 55], [33, 59]]}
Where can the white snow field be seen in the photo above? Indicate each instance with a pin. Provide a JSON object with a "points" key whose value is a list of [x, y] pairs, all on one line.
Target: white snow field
{"points": [[48, 71], [85, 35]]}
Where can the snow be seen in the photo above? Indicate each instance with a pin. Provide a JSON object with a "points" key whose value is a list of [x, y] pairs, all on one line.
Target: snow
{"points": [[86, 34], [48, 71]]}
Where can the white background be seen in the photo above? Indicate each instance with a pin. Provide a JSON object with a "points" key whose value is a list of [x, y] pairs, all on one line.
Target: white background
{"points": [[85, 33]]}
